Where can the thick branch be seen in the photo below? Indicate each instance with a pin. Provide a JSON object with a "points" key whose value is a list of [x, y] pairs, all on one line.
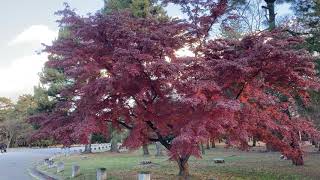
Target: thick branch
{"points": [[293, 33], [154, 139], [160, 138], [241, 90], [125, 125], [244, 85]]}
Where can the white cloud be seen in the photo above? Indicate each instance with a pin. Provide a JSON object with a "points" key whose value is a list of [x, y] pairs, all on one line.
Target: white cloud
{"points": [[35, 34], [20, 77], [22, 74]]}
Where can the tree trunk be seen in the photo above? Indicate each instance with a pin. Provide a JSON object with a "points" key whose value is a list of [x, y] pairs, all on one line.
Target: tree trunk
{"points": [[227, 141], [203, 151], [145, 150], [270, 148], [183, 167], [208, 144], [159, 149], [114, 145], [10, 141], [272, 14], [298, 161], [254, 142], [87, 147], [300, 136], [213, 143]]}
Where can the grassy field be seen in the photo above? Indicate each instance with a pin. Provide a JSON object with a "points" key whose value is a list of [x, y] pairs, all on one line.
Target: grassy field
{"points": [[238, 165]]}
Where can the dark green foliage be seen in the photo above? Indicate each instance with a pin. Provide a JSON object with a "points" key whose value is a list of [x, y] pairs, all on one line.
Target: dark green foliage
{"points": [[308, 19], [115, 5], [139, 8], [14, 130], [99, 138], [308, 16], [41, 97]]}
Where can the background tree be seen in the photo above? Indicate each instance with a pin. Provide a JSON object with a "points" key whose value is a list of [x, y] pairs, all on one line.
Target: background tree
{"points": [[139, 8], [308, 18], [13, 126], [6, 106], [6, 109], [307, 25], [248, 18], [116, 5], [271, 14]]}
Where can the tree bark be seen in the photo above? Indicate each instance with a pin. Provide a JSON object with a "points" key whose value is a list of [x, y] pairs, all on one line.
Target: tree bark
{"points": [[87, 147], [183, 167], [9, 142], [145, 150], [208, 144], [203, 151], [254, 142], [272, 14], [159, 149], [11, 138], [114, 145], [213, 143], [298, 161]]}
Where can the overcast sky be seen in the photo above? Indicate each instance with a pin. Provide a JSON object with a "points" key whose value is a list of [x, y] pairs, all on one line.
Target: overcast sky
{"points": [[25, 24]]}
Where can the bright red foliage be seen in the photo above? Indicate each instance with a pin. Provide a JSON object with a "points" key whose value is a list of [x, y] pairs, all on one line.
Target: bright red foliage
{"points": [[253, 84], [124, 71]]}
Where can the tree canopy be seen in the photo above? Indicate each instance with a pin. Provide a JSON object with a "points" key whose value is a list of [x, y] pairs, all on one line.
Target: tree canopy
{"points": [[125, 71]]}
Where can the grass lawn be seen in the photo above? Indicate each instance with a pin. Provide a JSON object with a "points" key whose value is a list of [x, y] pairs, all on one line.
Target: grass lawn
{"points": [[238, 165]]}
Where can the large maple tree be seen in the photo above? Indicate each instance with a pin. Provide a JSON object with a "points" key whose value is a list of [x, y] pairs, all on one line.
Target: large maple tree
{"points": [[125, 72]]}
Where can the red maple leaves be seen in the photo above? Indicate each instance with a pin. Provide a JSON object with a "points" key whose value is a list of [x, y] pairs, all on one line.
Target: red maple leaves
{"points": [[120, 74]]}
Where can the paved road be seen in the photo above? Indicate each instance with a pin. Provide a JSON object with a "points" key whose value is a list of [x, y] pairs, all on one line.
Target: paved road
{"points": [[14, 165]]}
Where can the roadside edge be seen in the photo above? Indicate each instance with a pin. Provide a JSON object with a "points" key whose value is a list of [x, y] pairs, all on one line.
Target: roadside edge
{"points": [[36, 173]]}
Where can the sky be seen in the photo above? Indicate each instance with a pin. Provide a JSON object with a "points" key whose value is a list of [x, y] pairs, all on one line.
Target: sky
{"points": [[25, 25]]}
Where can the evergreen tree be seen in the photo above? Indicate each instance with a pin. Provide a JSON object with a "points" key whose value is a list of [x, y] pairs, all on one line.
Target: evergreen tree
{"points": [[308, 16], [139, 8]]}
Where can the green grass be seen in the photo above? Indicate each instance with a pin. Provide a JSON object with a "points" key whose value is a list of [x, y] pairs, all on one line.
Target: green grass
{"points": [[238, 165]]}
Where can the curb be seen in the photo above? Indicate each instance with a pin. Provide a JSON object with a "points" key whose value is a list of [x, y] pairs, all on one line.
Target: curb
{"points": [[34, 172], [42, 175]]}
